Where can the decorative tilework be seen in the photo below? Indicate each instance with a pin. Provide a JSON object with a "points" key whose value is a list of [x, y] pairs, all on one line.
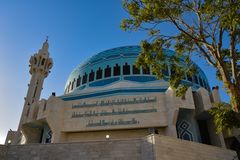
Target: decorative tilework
{"points": [[183, 130]]}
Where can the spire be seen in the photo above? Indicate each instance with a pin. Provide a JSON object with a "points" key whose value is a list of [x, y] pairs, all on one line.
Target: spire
{"points": [[45, 45]]}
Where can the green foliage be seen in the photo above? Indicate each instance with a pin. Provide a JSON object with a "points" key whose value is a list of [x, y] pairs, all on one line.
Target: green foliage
{"points": [[200, 28], [225, 118], [154, 55]]}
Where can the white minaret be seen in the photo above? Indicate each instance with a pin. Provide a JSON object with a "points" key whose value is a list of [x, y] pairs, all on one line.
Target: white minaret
{"points": [[40, 65]]}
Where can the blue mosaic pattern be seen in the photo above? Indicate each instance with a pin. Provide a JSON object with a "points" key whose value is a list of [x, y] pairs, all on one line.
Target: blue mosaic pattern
{"points": [[120, 56]]}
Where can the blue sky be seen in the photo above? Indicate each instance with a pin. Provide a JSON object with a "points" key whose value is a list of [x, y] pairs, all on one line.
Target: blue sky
{"points": [[77, 29]]}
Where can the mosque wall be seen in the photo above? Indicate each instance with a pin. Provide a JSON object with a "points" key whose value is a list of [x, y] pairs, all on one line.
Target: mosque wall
{"points": [[78, 116], [115, 112], [104, 113], [113, 134], [120, 116], [152, 147], [170, 148], [3, 151]]}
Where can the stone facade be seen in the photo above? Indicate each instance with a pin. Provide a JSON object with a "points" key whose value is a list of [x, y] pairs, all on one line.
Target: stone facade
{"points": [[152, 147], [169, 148]]}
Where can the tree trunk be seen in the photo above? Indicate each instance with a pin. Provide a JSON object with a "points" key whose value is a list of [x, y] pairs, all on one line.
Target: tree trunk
{"points": [[235, 99], [233, 90]]}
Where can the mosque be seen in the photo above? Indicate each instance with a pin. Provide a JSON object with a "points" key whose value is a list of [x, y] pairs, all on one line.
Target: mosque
{"points": [[108, 98]]}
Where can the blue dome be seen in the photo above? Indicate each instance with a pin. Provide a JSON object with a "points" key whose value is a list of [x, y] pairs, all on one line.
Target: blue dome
{"points": [[107, 69]]}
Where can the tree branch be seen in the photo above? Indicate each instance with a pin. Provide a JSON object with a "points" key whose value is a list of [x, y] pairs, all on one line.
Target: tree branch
{"points": [[205, 54]]}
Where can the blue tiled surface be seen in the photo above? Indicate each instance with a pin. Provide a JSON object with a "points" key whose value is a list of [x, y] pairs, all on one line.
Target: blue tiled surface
{"points": [[104, 93], [140, 78], [104, 82], [111, 57]]}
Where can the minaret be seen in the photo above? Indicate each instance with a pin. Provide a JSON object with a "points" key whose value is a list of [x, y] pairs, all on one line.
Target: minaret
{"points": [[40, 65]]}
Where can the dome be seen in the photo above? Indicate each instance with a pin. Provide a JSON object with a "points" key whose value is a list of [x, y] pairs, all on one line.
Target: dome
{"points": [[114, 69]]}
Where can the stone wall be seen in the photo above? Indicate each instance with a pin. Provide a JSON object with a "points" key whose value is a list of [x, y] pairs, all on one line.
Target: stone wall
{"points": [[3, 151], [153, 147], [97, 150], [170, 148]]}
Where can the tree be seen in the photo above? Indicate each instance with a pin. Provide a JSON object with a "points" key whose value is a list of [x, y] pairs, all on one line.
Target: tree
{"points": [[210, 29]]}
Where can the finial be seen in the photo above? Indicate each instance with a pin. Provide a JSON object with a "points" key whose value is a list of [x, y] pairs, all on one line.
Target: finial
{"points": [[45, 45]]}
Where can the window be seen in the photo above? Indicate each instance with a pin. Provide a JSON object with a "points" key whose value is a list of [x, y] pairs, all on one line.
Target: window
{"points": [[35, 60], [91, 76], [116, 70], [73, 84], [78, 81], [43, 60], [165, 72], [195, 79], [99, 73], [135, 70], [146, 70], [201, 81], [189, 78], [126, 69], [107, 72], [84, 79]]}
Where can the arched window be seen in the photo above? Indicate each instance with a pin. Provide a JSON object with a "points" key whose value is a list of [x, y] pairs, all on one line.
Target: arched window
{"points": [[43, 60], [189, 78], [35, 60], [126, 69], [99, 73], [135, 70], [116, 70], [146, 70], [195, 79], [73, 84], [78, 81], [165, 72], [107, 72], [91, 76], [84, 79], [201, 81]]}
